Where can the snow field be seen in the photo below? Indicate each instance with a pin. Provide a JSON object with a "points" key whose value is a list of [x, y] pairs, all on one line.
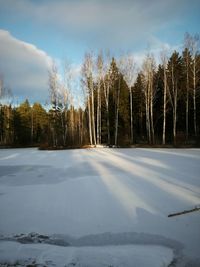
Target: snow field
{"points": [[85, 193]]}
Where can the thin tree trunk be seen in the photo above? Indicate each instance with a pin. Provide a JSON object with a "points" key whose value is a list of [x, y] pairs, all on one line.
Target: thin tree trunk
{"points": [[175, 115], [82, 127], [148, 113], [174, 125], [32, 125], [53, 130], [187, 100], [100, 119], [65, 125], [186, 119], [93, 120], [117, 113], [89, 119], [72, 123], [141, 124], [131, 115], [164, 106], [147, 116], [79, 128], [98, 113], [108, 124], [63, 130], [106, 95], [6, 126], [194, 96], [174, 88], [151, 111]]}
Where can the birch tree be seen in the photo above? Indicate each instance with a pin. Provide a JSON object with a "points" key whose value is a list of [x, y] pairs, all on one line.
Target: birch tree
{"points": [[53, 91], [148, 71], [164, 63], [107, 83], [6, 99], [174, 69], [127, 68], [88, 83], [99, 82], [186, 57], [117, 109], [193, 42], [66, 95], [59, 99]]}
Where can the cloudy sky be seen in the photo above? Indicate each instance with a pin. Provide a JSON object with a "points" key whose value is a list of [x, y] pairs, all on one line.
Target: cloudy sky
{"points": [[35, 32]]}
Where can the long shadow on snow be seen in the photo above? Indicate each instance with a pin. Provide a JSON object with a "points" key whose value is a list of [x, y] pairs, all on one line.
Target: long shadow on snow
{"points": [[162, 172]]}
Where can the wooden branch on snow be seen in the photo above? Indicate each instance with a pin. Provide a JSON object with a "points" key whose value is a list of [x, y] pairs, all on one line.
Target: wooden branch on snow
{"points": [[184, 212]]}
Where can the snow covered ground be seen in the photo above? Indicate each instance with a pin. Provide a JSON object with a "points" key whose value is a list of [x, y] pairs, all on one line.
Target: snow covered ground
{"points": [[99, 207]]}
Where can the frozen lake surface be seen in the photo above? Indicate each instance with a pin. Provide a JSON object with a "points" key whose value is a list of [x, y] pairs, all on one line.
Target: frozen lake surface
{"points": [[99, 207]]}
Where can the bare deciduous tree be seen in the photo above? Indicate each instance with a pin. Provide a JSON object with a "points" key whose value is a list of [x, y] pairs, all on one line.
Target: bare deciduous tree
{"points": [[148, 71], [193, 43], [88, 83], [59, 95], [174, 69], [99, 82], [107, 82], [127, 68], [187, 67], [164, 63]]}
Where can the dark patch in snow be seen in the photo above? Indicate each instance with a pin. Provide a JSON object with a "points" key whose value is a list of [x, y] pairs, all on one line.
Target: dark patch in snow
{"points": [[8, 170], [127, 238], [103, 239], [26, 263], [34, 238], [43, 174]]}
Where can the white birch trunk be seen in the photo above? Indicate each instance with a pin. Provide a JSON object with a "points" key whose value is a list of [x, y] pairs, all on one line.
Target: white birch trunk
{"points": [[98, 113], [106, 95], [131, 114], [194, 95], [151, 109], [93, 120], [164, 107], [117, 113], [187, 96], [90, 121]]}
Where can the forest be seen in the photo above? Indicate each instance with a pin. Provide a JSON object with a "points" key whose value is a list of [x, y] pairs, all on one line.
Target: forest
{"points": [[156, 104]]}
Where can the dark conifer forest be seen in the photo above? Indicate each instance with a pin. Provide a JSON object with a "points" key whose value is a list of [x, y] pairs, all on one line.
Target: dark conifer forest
{"points": [[156, 104]]}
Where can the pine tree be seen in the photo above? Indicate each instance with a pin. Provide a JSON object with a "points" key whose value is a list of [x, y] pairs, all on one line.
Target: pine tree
{"points": [[139, 108], [23, 126]]}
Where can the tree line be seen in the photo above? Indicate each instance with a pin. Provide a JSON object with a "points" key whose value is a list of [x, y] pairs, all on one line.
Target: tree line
{"points": [[122, 106]]}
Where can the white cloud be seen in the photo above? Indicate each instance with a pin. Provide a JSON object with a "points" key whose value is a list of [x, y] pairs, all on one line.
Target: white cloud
{"points": [[155, 47], [123, 24], [24, 67], [104, 22]]}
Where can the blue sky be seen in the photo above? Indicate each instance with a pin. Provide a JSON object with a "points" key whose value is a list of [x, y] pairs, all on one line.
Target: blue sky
{"points": [[33, 33]]}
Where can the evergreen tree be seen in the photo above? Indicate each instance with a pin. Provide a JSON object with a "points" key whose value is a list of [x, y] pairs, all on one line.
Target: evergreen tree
{"points": [[39, 123], [139, 109], [23, 123]]}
